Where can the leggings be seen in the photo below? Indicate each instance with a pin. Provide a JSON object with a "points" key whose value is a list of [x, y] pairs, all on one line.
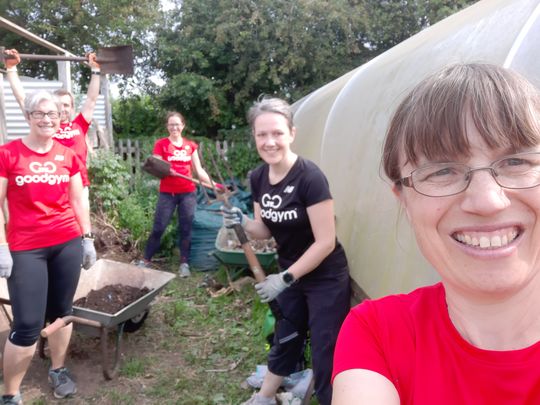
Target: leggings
{"points": [[41, 288], [185, 204]]}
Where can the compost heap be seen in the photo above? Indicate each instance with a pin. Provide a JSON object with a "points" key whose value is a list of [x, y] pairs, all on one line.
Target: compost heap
{"points": [[111, 298]]}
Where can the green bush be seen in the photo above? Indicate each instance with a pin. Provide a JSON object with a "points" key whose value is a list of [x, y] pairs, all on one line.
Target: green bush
{"points": [[109, 178], [136, 213]]}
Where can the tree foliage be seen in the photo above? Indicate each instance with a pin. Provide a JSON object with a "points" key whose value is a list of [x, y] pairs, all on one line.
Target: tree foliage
{"points": [[80, 27], [218, 56]]}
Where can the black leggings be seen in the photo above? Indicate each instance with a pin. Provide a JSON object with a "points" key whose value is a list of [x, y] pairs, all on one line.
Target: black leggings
{"points": [[41, 287]]}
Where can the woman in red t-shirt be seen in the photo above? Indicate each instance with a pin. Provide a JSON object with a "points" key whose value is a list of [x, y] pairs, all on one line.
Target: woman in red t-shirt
{"points": [[462, 153], [42, 252], [176, 192]]}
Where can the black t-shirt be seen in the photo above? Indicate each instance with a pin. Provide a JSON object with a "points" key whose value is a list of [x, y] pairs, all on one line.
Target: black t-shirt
{"points": [[284, 210]]}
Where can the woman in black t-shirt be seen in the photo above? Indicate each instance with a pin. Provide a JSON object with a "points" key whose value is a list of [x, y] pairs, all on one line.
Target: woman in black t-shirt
{"points": [[292, 203]]}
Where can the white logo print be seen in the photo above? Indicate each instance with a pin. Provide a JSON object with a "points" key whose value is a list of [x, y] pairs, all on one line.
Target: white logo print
{"points": [[288, 190], [179, 156], [271, 202], [47, 167], [269, 206], [44, 174]]}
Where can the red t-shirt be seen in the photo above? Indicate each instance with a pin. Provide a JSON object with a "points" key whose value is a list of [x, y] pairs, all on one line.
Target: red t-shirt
{"points": [[40, 214], [180, 159], [73, 136], [411, 340]]}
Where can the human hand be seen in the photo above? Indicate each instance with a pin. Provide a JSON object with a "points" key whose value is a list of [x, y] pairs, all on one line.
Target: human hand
{"points": [[89, 253], [6, 261], [271, 287], [232, 216], [11, 63], [92, 60]]}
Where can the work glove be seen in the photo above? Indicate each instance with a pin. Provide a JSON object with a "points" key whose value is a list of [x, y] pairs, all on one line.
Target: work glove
{"points": [[271, 287], [6, 262], [232, 216], [89, 253]]}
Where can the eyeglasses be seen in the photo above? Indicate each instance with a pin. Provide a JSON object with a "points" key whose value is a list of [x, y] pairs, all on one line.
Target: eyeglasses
{"points": [[518, 171], [174, 125], [38, 115]]}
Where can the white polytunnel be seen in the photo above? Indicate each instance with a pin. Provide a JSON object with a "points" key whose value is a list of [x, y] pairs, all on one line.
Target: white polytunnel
{"points": [[341, 127]]}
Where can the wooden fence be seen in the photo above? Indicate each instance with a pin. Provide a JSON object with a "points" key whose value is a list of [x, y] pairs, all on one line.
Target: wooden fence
{"points": [[130, 151]]}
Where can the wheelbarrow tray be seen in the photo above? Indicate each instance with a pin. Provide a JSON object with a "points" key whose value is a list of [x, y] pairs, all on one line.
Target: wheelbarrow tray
{"points": [[236, 257], [108, 272]]}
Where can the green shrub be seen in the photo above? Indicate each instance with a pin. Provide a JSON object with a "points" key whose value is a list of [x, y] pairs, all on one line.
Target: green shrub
{"points": [[109, 178]]}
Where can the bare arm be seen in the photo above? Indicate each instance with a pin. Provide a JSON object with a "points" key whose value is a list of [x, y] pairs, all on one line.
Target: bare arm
{"points": [[256, 227], [13, 77], [80, 208], [89, 105], [199, 171], [363, 387], [321, 218]]}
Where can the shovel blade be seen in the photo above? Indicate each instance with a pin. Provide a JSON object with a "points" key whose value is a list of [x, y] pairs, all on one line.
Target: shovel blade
{"points": [[116, 59]]}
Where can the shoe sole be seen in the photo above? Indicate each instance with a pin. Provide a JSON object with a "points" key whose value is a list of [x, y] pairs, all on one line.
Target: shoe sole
{"points": [[57, 396]]}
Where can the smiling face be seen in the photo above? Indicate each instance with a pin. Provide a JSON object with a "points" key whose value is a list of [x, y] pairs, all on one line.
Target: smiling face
{"points": [[485, 240], [273, 137], [44, 127], [67, 110], [175, 126]]}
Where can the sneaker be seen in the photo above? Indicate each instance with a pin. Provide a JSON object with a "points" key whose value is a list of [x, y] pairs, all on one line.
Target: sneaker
{"points": [[184, 270], [143, 263], [62, 383], [11, 399], [257, 399]]}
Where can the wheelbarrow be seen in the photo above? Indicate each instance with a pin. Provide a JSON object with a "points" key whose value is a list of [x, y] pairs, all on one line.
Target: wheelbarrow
{"points": [[233, 257], [100, 324]]}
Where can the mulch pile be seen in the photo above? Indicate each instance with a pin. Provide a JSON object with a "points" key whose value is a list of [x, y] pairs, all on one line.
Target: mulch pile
{"points": [[111, 298]]}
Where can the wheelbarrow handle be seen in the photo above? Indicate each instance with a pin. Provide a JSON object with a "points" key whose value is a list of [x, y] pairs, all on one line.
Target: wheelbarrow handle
{"points": [[59, 323]]}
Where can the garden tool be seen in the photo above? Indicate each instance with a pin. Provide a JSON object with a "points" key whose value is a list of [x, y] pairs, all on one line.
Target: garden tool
{"points": [[114, 59], [285, 330]]}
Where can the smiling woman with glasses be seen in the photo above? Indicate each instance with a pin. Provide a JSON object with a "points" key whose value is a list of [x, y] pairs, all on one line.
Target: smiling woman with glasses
{"points": [[462, 155], [47, 241]]}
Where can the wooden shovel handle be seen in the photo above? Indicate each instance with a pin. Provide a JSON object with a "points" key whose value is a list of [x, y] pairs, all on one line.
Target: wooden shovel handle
{"points": [[59, 323]]}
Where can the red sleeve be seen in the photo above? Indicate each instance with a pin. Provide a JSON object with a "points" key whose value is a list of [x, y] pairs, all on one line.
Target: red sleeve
{"points": [[158, 148], [4, 162], [82, 123], [359, 344]]}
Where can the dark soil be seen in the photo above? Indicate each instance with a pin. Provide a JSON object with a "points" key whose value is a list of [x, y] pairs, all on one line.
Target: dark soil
{"points": [[111, 298]]}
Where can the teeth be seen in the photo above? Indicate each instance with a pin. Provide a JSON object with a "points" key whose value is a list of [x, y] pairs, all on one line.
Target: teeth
{"points": [[487, 242]]}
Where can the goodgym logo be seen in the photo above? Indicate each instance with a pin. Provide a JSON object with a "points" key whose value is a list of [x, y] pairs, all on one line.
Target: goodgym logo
{"points": [[179, 156], [270, 204], [43, 173], [47, 167]]}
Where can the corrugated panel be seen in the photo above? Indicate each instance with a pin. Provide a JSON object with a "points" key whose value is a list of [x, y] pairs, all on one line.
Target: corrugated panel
{"points": [[16, 123]]}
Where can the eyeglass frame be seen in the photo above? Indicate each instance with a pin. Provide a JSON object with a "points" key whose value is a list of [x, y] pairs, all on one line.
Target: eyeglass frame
{"points": [[43, 114], [407, 181]]}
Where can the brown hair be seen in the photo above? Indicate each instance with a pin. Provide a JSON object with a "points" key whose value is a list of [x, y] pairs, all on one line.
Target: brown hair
{"points": [[63, 92], [431, 120], [271, 105], [174, 114]]}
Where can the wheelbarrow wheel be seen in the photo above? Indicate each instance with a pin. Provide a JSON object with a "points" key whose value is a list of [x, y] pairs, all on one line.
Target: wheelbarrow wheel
{"points": [[135, 323]]}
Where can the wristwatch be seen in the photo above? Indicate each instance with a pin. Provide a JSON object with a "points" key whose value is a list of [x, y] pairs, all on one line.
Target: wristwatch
{"points": [[288, 278], [89, 235]]}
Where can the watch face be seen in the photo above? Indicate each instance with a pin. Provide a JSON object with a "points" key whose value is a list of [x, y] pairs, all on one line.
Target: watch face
{"points": [[288, 278]]}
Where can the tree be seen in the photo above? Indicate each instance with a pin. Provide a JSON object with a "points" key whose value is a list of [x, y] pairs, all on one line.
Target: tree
{"points": [[240, 49], [218, 56], [82, 26]]}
